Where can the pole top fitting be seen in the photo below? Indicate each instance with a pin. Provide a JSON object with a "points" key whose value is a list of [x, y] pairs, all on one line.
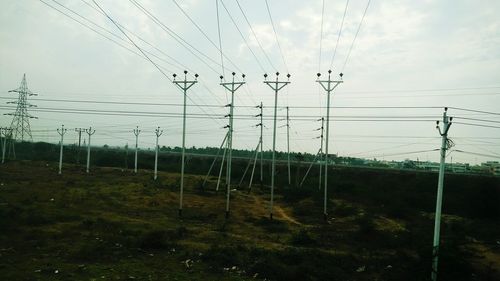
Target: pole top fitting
{"points": [[318, 74], [277, 73], [451, 118], [175, 75], [288, 76], [341, 75], [446, 109], [234, 73], [185, 72], [437, 122], [221, 77], [196, 75], [329, 71], [243, 76], [265, 75]]}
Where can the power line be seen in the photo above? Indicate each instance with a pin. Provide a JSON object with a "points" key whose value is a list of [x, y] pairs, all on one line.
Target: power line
{"points": [[132, 41], [474, 110], [111, 33], [216, 116], [204, 34], [220, 106], [130, 32], [92, 29], [321, 34], [255, 36], [241, 34], [340, 32], [355, 36], [276, 36], [220, 44], [477, 125], [404, 153], [477, 119], [478, 154]]}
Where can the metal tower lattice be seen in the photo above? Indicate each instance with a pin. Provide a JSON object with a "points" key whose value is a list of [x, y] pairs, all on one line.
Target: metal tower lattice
{"points": [[20, 125]]}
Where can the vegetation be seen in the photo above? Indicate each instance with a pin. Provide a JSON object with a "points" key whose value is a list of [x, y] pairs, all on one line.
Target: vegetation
{"points": [[113, 224]]}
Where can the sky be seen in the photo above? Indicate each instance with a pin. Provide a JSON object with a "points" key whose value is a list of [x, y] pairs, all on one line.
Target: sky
{"points": [[420, 54]]}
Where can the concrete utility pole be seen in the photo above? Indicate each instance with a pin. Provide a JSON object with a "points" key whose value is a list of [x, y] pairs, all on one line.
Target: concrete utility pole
{"points": [[276, 86], [79, 131], [158, 133], [261, 124], [310, 166], [253, 169], [136, 133], [61, 132], [7, 132], [232, 87], [254, 156], [222, 164], [321, 152], [328, 85], [215, 159], [184, 85], [288, 144], [90, 133], [439, 199]]}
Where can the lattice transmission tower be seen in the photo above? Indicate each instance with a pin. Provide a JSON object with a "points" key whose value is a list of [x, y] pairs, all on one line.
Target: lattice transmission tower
{"points": [[20, 124]]}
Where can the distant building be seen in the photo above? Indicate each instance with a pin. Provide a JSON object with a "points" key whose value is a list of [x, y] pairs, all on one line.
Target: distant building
{"points": [[493, 167]]}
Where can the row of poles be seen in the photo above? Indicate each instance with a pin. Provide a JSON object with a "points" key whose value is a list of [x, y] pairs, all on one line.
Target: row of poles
{"points": [[276, 85]]}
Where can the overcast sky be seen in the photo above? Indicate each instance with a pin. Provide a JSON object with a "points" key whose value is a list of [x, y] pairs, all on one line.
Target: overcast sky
{"points": [[407, 53]]}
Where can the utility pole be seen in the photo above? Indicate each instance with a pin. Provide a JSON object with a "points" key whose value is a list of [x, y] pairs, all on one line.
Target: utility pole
{"points": [[261, 125], [309, 169], [321, 152], [79, 130], [20, 124], [136, 133], [184, 85], [232, 87], [261, 145], [158, 133], [7, 132], [328, 85], [215, 159], [439, 199], [288, 144], [276, 86], [90, 133], [61, 132], [222, 164], [253, 169]]}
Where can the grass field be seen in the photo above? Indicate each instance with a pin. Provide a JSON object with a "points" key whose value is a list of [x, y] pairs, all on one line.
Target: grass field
{"points": [[116, 225]]}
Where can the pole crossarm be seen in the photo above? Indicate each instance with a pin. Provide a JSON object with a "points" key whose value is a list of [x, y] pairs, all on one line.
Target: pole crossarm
{"points": [[329, 85]]}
